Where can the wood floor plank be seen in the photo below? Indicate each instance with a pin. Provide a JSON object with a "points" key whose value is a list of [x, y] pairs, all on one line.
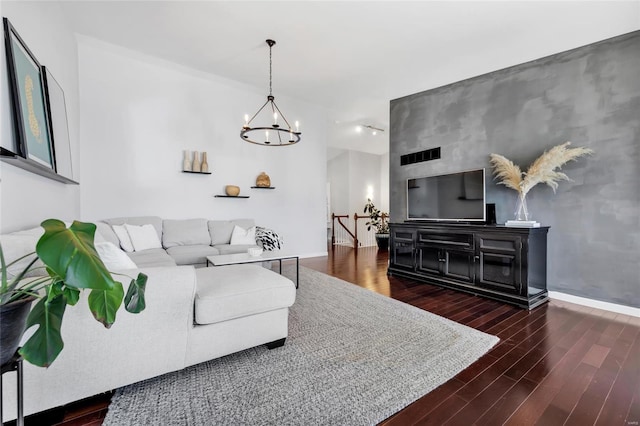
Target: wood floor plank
{"points": [[507, 404], [618, 403], [537, 402], [478, 405]]}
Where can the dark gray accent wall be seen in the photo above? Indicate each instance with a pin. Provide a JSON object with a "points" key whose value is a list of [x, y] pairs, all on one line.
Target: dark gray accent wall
{"points": [[589, 96]]}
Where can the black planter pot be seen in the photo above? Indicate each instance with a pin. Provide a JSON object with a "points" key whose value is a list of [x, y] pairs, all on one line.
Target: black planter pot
{"points": [[13, 319], [383, 241]]}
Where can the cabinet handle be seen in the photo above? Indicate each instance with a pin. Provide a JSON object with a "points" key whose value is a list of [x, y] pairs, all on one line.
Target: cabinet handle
{"points": [[477, 257]]}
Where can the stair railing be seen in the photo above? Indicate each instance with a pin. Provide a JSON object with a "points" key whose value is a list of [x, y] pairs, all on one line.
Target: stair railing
{"points": [[343, 228]]}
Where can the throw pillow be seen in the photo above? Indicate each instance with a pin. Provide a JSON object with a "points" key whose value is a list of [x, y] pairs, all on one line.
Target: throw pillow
{"points": [[123, 236], [143, 237], [243, 236], [269, 239], [113, 258]]}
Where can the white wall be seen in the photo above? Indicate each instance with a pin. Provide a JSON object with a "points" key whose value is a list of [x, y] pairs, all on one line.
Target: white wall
{"points": [[138, 115], [338, 178], [26, 198]]}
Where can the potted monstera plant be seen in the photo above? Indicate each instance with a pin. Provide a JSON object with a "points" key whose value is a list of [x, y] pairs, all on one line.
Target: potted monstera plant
{"points": [[70, 265], [379, 221]]}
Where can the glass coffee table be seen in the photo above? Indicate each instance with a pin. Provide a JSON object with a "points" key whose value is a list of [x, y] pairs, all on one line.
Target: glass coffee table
{"points": [[266, 256]]}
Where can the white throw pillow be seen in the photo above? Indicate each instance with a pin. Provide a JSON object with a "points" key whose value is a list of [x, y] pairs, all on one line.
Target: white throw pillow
{"points": [[114, 258], [123, 236], [143, 237], [241, 236]]}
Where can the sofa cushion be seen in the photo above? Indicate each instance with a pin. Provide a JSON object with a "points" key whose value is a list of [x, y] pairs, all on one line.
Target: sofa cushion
{"points": [[233, 249], [191, 255], [241, 236], [152, 257], [221, 230], [18, 244], [139, 221], [268, 238], [185, 232], [104, 233], [227, 292], [143, 237], [113, 257], [123, 238]]}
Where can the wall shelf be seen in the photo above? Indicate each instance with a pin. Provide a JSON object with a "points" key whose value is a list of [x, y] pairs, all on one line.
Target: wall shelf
{"points": [[231, 196], [196, 173], [263, 187], [16, 160]]}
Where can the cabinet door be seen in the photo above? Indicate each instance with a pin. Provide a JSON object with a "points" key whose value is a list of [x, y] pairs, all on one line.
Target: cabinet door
{"points": [[458, 265], [401, 247], [499, 262], [429, 260], [402, 256]]}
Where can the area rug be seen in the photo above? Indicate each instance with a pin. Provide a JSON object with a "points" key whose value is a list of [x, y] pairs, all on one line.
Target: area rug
{"points": [[353, 357]]}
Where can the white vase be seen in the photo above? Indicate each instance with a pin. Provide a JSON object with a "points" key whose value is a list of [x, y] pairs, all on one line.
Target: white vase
{"points": [[204, 167], [196, 161], [186, 163]]}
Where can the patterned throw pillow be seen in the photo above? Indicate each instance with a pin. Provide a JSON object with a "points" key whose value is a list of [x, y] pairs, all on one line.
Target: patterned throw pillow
{"points": [[268, 238]]}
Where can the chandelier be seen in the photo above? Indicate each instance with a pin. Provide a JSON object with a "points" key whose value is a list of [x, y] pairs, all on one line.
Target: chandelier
{"points": [[274, 134]]}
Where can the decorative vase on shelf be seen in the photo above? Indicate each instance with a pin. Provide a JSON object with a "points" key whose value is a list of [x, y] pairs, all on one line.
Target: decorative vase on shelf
{"points": [[232, 190], [196, 161], [263, 180], [186, 163], [204, 167]]}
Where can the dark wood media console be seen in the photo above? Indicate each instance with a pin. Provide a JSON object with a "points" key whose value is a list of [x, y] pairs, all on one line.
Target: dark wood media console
{"points": [[506, 264]]}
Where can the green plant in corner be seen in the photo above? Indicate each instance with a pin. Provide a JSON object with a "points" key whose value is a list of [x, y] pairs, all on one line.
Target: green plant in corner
{"points": [[377, 219], [71, 264]]}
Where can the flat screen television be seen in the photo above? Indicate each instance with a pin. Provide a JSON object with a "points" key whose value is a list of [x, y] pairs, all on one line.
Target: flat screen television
{"points": [[453, 197]]}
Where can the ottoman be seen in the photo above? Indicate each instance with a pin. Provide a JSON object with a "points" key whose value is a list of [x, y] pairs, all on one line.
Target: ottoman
{"points": [[239, 306]]}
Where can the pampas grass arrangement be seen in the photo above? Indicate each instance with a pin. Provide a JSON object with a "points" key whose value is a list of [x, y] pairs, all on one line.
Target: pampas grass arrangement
{"points": [[543, 170]]}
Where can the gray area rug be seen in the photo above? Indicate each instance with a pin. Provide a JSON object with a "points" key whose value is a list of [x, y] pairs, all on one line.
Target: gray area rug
{"points": [[352, 357]]}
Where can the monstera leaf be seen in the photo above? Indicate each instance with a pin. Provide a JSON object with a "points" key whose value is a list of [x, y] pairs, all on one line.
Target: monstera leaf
{"points": [[73, 265], [46, 343], [69, 253]]}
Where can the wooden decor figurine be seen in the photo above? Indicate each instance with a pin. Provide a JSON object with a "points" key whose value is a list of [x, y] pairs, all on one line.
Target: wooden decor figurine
{"points": [[204, 167], [263, 180], [186, 163], [196, 161]]}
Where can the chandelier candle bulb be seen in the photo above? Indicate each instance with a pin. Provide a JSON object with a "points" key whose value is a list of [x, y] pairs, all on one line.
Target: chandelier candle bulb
{"points": [[267, 136], [275, 119], [246, 121], [297, 127]]}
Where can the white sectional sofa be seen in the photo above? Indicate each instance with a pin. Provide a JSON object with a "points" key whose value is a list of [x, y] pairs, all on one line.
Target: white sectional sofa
{"points": [[184, 241], [192, 315]]}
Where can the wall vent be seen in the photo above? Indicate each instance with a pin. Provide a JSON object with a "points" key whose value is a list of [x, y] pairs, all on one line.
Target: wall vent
{"points": [[419, 157]]}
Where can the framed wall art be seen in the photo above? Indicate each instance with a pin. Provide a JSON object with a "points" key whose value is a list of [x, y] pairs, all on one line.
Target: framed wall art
{"points": [[57, 108], [33, 138]]}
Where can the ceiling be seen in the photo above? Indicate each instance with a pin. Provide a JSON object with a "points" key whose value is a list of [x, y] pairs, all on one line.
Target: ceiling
{"points": [[352, 57]]}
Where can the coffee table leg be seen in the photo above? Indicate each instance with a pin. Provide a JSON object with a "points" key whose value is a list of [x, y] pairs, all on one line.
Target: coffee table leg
{"points": [[280, 262], [297, 271]]}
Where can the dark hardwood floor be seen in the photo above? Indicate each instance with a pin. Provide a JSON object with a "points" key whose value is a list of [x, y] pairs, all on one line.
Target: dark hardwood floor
{"points": [[558, 364]]}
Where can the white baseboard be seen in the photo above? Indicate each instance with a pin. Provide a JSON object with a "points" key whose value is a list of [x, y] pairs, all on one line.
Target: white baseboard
{"points": [[607, 306], [319, 254]]}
